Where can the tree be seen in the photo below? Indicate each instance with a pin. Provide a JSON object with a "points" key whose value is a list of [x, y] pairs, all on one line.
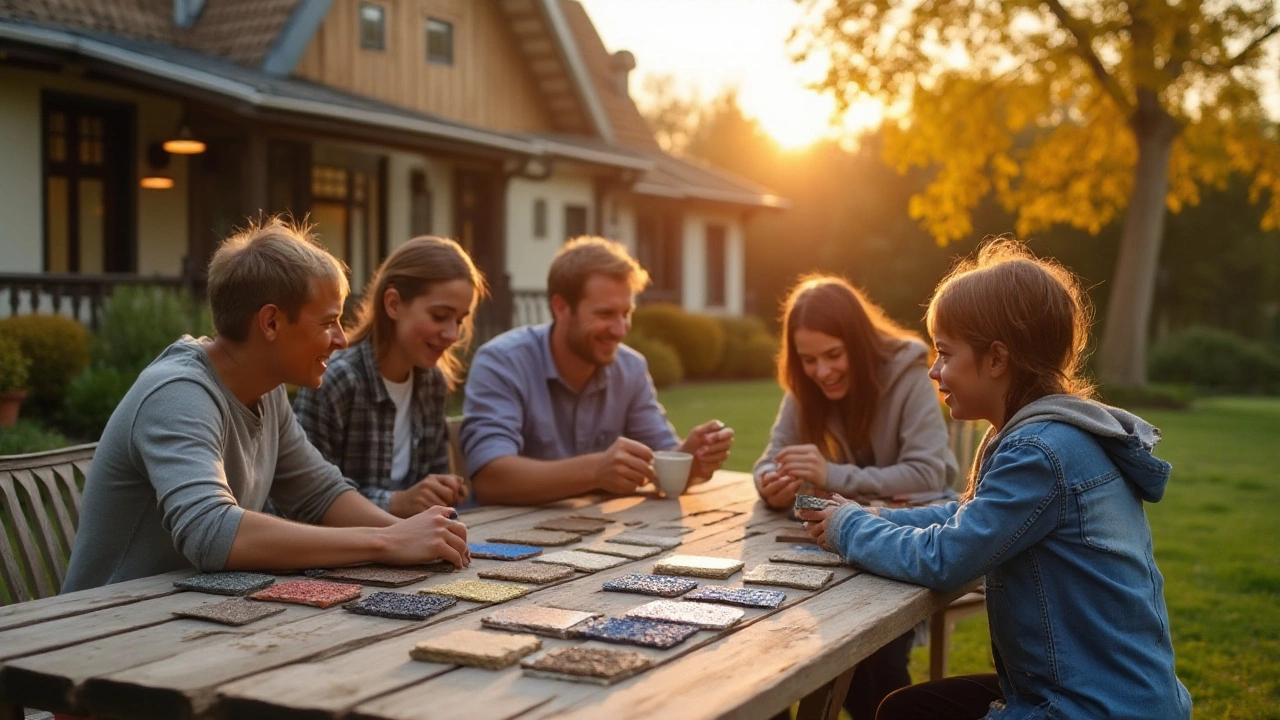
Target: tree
{"points": [[1067, 112], [673, 116]]}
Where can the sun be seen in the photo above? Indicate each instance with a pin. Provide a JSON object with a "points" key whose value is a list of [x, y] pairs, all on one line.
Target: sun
{"points": [[798, 117]]}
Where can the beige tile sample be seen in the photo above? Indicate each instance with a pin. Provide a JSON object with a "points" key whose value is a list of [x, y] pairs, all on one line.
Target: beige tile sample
{"points": [[476, 648], [698, 566]]}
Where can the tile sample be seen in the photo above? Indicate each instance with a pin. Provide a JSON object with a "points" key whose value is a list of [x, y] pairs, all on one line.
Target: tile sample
{"points": [[528, 572], [226, 583], [552, 622], [660, 585], [378, 575], [808, 557], [746, 597], [317, 593], [597, 518], [481, 591], [476, 649], [666, 542], [698, 566], [646, 633], [582, 526], [584, 561], [401, 606], [795, 535], [809, 502], [703, 615], [541, 538], [788, 576], [632, 552], [600, 666], [236, 611], [502, 551]]}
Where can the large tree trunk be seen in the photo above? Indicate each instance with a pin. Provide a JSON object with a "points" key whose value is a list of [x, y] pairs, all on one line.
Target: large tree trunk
{"points": [[1122, 358]]}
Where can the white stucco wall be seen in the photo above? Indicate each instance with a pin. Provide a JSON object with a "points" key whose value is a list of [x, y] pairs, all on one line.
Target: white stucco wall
{"points": [[694, 260], [161, 214], [527, 256], [400, 165], [620, 222]]}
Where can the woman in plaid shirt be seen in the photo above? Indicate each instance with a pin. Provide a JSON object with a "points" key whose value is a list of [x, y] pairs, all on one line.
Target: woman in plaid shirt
{"points": [[380, 413]]}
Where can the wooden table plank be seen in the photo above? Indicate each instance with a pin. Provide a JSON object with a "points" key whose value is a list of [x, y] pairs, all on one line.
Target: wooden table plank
{"points": [[84, 601]]}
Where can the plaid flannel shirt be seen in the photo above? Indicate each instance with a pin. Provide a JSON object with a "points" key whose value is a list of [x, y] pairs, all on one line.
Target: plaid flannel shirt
{"points": [[351, 420]]}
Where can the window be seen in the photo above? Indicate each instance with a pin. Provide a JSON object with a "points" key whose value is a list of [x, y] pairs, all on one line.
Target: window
{"points": [[540, 218], [373, 27], [575, 221], [439, 42], [716, 247], [659, 247]]}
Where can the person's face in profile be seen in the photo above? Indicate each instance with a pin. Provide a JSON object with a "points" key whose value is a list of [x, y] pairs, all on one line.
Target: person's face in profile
{"points": [[303, 346]]}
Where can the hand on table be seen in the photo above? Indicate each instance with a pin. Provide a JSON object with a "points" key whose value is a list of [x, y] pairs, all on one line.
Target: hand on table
{"points": [[431, 491], [434, 534], [624, 467], [709, 443]]}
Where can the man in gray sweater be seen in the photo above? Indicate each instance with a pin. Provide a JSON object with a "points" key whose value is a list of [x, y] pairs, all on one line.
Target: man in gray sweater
{"points": [[206, 436]]}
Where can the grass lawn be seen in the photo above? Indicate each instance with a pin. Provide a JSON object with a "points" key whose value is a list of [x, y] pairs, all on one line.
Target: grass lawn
{"points": [[1217, 539]]}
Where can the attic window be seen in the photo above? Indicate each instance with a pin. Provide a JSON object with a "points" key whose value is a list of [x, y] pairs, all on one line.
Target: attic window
{"points": [[439, 42], [373, 24]]}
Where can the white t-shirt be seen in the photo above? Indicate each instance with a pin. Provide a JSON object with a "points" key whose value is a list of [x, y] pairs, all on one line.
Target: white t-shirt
{"points": [[401, 437]]}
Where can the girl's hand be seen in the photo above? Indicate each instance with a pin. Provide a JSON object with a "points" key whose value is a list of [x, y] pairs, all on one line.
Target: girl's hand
{"points": [[817, 521], [779, 491], [803, 462]]}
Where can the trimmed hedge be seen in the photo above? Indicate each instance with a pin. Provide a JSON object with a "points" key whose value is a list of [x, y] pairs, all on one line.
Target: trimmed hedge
{"points": [[139, 322], [664, 362], [750, 350], [698, 339], [92, 397], [1164, 397], [15, 367], [58, 348], [1216, 361]]}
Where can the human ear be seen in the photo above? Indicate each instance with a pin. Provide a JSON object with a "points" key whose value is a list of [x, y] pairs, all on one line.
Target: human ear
{"points": [[391, 303], [997, 359], [269, 321], [559, 307]]}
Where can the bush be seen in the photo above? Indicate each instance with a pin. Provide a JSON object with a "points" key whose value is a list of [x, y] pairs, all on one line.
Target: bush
{"points": [[92, 398], [1165, 397], [750, 350], [1214, 360], [697, 339], [14, 366], [29, 436], [664, 361], [58, 348], [139, 322]]}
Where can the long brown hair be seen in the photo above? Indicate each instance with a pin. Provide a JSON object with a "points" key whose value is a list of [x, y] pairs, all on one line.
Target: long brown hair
{"points": [[832, 306], [1035, 306], [412, 269]]}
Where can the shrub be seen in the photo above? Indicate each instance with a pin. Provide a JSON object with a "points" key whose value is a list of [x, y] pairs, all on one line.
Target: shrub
{"points": [[58, 348], [92, 398], [1214, 360], [749, 348], [1165, 397], [139, 322], [697, 339], [14, 366], [29, 436], [664, 361]]}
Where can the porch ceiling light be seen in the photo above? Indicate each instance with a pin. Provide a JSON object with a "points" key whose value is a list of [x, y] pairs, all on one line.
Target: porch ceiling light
{"points": [[156, 182], [157, 161], [183, 143]]}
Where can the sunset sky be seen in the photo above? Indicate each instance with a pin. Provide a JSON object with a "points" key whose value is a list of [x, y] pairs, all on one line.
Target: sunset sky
{"points": [[712, 44]]}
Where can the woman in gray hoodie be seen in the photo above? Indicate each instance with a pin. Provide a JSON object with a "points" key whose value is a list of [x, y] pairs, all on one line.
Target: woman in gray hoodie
{"points": [[860, 418]]}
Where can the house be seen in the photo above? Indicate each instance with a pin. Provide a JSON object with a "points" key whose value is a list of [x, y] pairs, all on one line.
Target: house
{"points": [[137, 133]]}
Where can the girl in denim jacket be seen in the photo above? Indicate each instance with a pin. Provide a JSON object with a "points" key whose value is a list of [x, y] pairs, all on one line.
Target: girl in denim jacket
{"points": [[1052, 516]]}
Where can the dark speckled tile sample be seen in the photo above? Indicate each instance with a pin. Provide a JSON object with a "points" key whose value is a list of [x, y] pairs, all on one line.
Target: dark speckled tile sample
{"points": [[503, 551], [236, 611], [401, 606], [226, 583], [317, 593], [378, 575], [638, 632], [744, 597], [809, 502], [600, 666], [660, 585]]}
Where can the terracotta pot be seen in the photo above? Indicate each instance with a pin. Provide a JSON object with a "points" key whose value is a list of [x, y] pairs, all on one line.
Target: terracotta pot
{"points": [[9, 403]]}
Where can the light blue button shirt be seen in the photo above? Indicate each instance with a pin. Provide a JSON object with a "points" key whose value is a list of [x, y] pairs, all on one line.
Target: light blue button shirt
{"points": [[517, 403]]}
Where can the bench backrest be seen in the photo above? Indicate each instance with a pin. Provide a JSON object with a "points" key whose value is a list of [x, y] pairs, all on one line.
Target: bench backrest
{"points": [[39, 512]]}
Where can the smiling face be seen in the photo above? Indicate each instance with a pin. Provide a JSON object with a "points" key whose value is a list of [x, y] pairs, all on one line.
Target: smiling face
{"points": [[595, 328], [973, 384], [301, 348], [426, 326], [824, 360]]}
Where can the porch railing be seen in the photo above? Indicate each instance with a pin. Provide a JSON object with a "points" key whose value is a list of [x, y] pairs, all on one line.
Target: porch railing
{"points": [[75, 295]]}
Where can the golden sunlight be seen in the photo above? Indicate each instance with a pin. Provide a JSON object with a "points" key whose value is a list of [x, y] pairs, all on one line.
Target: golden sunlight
{"points": [[796, 117]]}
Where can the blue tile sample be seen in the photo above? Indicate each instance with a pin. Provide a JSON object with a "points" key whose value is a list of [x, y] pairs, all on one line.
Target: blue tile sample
{"points": [[227, 583], [745, 597], [401, 606], [660, 585], [647, 633], [503, 551]]}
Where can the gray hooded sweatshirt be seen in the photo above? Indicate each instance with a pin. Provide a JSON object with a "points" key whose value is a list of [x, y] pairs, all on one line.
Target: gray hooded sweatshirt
{"points": [[908, 436]]}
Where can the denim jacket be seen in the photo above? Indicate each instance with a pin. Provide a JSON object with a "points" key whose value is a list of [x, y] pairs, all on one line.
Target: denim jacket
{"points": [[1075, 602]]}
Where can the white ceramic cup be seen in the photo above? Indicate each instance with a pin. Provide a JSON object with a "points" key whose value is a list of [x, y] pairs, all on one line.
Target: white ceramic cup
{"points": [[672, 468]]}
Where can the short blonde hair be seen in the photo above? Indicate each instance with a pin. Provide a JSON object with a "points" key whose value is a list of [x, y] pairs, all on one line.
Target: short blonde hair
{"points": [[582, 257], [273, 261]]}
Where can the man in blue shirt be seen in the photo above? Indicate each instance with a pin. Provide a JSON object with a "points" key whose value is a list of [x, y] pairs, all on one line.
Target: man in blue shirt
{"points": [[558, 410]]}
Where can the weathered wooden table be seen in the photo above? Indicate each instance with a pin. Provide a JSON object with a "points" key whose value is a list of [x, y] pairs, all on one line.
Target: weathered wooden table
{"points": [[119, 652]]}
